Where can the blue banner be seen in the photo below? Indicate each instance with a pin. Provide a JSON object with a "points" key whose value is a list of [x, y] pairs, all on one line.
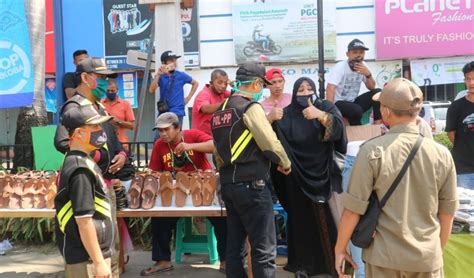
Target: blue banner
{"points": [[50, 94], [16, 67]]}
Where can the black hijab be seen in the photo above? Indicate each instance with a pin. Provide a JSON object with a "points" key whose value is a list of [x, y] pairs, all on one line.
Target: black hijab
{"points": [[302, 139]]}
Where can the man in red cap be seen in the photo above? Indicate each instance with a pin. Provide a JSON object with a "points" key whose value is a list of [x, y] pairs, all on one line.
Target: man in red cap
{"points": [[273, 105]]}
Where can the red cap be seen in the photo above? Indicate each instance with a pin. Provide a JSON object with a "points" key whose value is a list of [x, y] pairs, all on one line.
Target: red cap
{"points": [[274, 72]]}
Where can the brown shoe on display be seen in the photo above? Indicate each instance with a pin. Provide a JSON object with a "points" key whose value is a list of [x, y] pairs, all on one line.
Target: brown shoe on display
{"points": [[183, 188], [135, 191], [41, 190], [149, 192], [17, 192], [52, 190], [208, 187], [196, 185], [3, 194], [166, 188]]}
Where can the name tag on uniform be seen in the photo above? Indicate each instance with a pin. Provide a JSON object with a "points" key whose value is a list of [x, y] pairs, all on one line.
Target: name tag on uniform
{"points": [[222, 119]]}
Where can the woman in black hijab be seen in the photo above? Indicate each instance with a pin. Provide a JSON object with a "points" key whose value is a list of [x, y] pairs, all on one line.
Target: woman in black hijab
{"points": [[309, 131]]}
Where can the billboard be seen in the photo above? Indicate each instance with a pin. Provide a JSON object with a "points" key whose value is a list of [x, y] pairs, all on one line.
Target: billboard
{"points": [[127, 25], [282, 30], [411, 29]]}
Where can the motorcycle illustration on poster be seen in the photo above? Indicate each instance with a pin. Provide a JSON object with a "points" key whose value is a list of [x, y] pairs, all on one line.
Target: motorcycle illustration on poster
{"points": [[281, 30], [127, 25]]}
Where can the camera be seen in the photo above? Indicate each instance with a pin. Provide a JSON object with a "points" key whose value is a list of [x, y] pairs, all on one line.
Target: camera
{"points": [[180, 161]]}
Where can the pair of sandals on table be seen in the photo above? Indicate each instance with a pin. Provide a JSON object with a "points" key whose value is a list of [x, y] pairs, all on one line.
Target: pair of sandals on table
{"points": [[28, 190], [146, 186]]}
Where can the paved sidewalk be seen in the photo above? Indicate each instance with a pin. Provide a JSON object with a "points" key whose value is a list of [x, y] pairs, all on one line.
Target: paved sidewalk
{"points": [[45, 261]]}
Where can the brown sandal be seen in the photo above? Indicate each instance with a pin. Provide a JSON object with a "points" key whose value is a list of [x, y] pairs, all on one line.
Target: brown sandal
{"points": [[182, 188], [196, 186], [150, 188], [166, 189], [52, 185], [208, 187], [3, 195], [17, 192], [135, 191], [41, 191]]}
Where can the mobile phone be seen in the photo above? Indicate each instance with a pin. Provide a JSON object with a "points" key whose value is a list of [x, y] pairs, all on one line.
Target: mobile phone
{"points": [[347, 268]]}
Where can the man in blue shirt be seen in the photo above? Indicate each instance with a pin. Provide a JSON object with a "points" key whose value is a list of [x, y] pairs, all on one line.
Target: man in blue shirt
{"points": [[171, 83]]}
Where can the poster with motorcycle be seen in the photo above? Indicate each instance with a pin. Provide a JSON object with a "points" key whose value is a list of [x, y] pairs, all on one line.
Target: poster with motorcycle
{"points": [[281, 30], [127, 25]]}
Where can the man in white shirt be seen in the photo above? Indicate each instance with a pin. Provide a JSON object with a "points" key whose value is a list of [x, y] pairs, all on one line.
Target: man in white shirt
{"points": [[344, 82]]}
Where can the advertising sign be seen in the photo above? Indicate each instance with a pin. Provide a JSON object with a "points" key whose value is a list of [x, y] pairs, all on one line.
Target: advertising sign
{"points": [[127, 25], [281, 30], [16, 67], [438, 71], [420, 28], [189, 25], [127, 87]]}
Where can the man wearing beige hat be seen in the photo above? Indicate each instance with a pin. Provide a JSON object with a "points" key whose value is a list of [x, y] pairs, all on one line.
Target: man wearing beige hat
{"points": [[415, 223]]}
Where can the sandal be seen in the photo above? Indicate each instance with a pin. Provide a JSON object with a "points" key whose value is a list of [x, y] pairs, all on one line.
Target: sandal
{"points": [[3, 195], [41, 190], [155, 269], [196, 186], [150, 187], [52, 190], [183, 188], [208, 187], [17, 192], [29, 190], [166, 189], [135, 191]]}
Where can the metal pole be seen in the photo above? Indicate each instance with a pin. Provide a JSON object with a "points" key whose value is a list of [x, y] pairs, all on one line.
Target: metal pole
{"points": [[143, 90], [320, 49], [59, 53]]}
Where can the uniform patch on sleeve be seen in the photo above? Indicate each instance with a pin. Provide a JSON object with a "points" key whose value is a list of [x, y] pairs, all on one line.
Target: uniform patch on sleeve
{"points": [[376, 154], [222, 119]]}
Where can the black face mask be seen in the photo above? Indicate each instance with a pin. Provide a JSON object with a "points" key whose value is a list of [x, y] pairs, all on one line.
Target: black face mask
{"points": [[303, 100]]}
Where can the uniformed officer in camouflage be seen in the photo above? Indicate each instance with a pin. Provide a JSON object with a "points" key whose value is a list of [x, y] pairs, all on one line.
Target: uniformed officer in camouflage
{"points": [[415, 223]]}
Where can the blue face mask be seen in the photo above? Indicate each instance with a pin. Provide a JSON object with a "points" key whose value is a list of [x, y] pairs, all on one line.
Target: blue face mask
{"points": [[111, 96], [101, 90], [255, 96]]}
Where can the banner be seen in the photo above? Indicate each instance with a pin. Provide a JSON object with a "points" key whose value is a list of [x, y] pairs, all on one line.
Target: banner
{"points": [[281, 30], [50, 94], [127, 87], [49, 56], [189, 23], [438, 71], [127, 25], [407, 29], [16, 69]]}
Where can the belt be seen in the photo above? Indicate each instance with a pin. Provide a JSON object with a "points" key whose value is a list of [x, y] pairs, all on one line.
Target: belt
{"points": [[256, 184]]}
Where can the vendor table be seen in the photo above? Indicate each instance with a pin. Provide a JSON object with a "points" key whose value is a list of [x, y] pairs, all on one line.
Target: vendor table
{"points": [[154, 212]]}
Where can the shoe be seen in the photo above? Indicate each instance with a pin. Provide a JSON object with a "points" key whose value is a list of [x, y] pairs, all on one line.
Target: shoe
{"points": [[166, 189], [183, 188]]}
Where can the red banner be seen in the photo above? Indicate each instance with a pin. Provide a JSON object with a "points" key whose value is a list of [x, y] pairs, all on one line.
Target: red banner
{"points": [[50, 64]]}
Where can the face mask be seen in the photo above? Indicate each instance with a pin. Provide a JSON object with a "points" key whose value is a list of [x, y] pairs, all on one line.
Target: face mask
{"points": [[255, 96], [101, 88], [90, 140], [303, 100], [111, 96]]}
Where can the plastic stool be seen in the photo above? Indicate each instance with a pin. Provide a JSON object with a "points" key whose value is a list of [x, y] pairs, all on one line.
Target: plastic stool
{"points": [[187, 242]]}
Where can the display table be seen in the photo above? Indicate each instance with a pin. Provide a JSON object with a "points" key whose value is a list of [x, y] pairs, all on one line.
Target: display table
{"points": [[187, 211]]}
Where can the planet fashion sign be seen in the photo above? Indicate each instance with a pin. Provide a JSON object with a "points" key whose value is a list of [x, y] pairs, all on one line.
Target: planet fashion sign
{"points": [[424, 28], [16, 69]]}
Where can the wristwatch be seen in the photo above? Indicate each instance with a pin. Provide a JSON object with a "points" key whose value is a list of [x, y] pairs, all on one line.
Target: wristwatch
{"points": [[368, 76]]}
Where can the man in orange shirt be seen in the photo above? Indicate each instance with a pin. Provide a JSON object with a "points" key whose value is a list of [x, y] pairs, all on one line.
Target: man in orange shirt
{"points": [[120, 109]]}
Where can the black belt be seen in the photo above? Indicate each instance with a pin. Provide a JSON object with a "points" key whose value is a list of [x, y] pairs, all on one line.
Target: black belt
{"points": [[255, 184]]}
